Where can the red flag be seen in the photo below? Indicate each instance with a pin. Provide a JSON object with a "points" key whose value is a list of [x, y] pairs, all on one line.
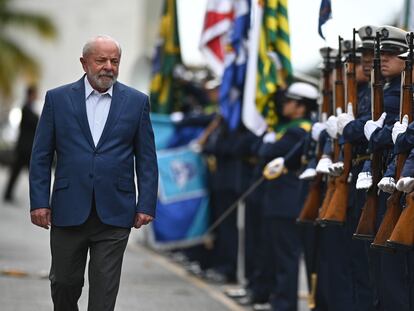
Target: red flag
{"points": [[217, 22]]}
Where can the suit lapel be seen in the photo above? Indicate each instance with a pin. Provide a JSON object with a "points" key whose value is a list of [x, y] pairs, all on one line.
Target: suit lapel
{"points": [[77, 97], [117, 102]]}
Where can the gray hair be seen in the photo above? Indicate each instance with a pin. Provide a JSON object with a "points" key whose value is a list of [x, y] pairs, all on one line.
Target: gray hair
{"points": [[88, 47]]}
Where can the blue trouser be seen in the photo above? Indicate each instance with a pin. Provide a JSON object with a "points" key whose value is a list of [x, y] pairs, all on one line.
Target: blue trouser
{"points": [[283, 251]]}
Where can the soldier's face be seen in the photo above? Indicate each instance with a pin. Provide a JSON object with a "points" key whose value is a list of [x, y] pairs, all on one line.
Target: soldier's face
{"points": [[101, 64], [366, 61], [391, 65], [361, 77], [292, 110]]}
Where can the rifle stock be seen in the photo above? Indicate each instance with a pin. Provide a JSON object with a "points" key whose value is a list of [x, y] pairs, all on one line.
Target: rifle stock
{"points": [[367, 221], [310, 209], [394, 208], [337, 210], [332, 210], [402, 236], [312, 203]]}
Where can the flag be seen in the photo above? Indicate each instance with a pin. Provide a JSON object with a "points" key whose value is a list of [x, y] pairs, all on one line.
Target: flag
{"points": [[217, 23], [167, 56], [231, 89], [325, 13], [183, 200], [407, 17], [269, 66]]}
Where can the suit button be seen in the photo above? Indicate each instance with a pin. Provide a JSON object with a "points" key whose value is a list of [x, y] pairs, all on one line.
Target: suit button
{"points": [[90, 175]]}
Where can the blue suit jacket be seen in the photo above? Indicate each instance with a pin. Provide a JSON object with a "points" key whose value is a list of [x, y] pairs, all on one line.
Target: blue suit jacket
{"points": [[83, 170]]}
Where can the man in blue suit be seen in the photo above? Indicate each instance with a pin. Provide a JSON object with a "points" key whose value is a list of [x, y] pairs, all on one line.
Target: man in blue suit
{"points": [[99, 129]]}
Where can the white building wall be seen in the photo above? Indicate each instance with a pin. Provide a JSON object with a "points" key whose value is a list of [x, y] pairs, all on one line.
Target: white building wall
{"points": [[134, 23]]}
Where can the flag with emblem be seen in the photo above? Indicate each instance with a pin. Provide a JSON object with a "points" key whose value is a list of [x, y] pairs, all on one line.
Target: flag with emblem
{"points": [[269, 65], [183, 199], [167, 56], [217, 22], [235, 59]]}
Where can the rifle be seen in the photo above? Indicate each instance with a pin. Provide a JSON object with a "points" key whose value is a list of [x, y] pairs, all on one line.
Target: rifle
{"points": [[339, 103], [402, 236], [367, 221], [336, 211], [313, 200], [394, 207]]}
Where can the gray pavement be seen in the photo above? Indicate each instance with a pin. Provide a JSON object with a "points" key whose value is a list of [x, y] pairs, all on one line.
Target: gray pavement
{"points": [[149, 280]]}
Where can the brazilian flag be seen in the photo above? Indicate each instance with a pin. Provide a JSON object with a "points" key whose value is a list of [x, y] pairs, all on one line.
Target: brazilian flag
{"points": [[167, 56], [274, 66]]}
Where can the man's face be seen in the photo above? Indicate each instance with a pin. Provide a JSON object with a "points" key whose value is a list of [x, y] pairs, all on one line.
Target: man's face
{"points": [[101, 64], [391, 65], [366, 61], [360, 75], [292, 110]]}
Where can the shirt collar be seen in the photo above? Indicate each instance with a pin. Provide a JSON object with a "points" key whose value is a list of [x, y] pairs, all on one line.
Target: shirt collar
{"points": [[89, 89]]}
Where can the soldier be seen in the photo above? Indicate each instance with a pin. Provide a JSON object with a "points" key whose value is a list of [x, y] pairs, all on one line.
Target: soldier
{"points": [[351, 127], [281, 203], [392, 293]]}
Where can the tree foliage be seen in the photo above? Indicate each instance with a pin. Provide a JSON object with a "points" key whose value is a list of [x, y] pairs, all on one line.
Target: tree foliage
{"points": [[15, 62]]}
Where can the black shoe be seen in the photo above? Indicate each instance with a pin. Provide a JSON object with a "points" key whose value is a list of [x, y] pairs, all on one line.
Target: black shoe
{"points": [[236, 293], [250, 299], [262, 306]]}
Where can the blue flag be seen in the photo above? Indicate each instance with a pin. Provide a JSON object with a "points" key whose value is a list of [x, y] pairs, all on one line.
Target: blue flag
{"points": [[325, 13], [183, 199], [235, 62]]}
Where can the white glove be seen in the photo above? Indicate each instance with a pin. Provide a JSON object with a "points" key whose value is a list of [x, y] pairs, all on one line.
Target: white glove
{"points": [[317, 129], [195, 146], [176, 117], [332, 126], [372, 125], [345, 118], [387, 184], [274, 168], [364, 180], [399, 128], [269, 138], [308, 174], [336, 169], [405, 184], [323, 165]]}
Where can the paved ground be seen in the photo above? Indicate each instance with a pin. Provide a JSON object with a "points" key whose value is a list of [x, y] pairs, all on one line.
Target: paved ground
{"points": [[149, 280]]}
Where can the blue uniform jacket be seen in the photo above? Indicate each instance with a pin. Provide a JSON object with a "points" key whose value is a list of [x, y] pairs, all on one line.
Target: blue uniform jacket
{"points": [[408, 169], [83, 170], [354, 130], [281, 197], [381, 138]]}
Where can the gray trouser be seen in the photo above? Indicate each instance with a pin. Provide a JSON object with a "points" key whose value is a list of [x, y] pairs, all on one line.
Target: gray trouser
{"points": [[69, 247]]}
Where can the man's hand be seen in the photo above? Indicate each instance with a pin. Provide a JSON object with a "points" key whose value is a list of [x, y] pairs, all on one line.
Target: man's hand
{"points": [[336, 169], [332, 126], [317, 129], [345, 118], [41, 217], [405, 184], [364, 181], [142, 219], [323, 165], [387, 184], [399, 128], [371, 125]]}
